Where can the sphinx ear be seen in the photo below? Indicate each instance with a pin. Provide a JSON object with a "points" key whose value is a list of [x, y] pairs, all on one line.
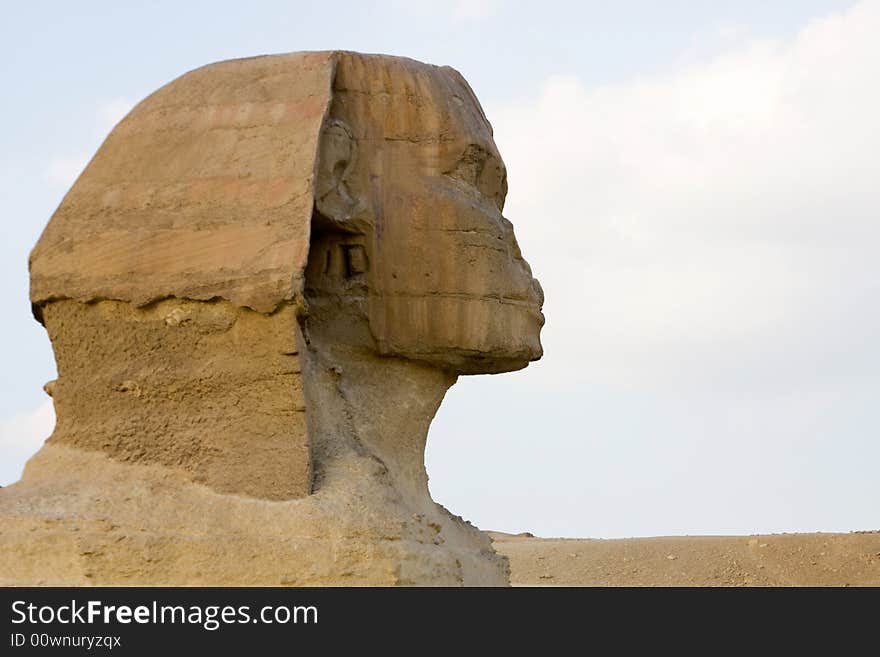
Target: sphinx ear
{"points": [[335, 197]]}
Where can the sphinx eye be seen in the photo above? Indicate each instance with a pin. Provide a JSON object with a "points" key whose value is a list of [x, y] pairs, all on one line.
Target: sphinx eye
{"points": [[470, 165], [480, 169]]}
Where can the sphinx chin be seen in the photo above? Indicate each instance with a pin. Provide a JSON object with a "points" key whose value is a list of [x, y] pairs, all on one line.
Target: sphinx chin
{"points": [[248, 364]]}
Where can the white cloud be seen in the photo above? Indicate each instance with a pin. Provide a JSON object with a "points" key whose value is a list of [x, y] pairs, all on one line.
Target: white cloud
{"points": [[722, 216], [21, 436], [707, 241], [706, 238]]}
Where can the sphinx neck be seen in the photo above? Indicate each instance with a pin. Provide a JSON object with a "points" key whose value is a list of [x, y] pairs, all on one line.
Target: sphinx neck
{"points": [[368, 417]]}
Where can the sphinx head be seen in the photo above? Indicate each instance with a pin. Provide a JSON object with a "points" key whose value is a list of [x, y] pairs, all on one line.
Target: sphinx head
{"points": [[353, 200], [264, 283], [410, 251]]}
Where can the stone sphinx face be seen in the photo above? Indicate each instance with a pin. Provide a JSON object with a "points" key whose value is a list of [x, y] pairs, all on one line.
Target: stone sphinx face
{"points": [[408, 230]]}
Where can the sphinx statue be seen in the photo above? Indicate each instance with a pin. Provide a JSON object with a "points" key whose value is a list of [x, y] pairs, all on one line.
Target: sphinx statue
{"points": [[258, 292]]}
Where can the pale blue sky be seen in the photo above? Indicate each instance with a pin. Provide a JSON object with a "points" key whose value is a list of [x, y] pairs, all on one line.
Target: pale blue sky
{"points": [[691, 181]]}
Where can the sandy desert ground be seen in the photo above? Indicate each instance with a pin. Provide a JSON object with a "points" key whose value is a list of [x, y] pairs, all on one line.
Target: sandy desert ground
{"points": [[774, 560]]}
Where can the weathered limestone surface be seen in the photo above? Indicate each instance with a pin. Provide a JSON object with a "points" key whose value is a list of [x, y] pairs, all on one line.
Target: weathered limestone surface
{"points": [[258, 293], [202, 387], [203, 191]]}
